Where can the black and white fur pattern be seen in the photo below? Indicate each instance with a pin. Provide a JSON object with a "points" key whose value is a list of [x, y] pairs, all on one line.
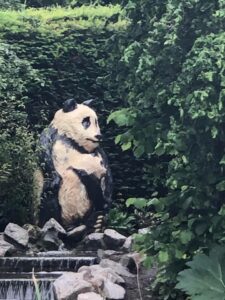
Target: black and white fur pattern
{"points": [[77, 182]]}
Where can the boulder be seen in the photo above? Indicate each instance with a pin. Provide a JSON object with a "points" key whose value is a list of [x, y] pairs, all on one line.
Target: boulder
{"points": [[50, 241], [97, 274], [107, 273], [116, 267], [51, 233], [127, 246], [70, 285], [77, 233], [89, 296], [34, 232], [113, 239], [53, 225], [131, 261], [111, 254], [94, 240], [113, 291], [5, 247], [17, 234]]}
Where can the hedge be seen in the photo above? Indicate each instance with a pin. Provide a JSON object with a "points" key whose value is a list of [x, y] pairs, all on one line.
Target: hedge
{"points": [[67, 48], [17, 159]]}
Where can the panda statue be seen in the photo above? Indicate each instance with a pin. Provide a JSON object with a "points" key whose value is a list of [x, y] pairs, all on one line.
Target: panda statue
{"points": [[76, 182]]}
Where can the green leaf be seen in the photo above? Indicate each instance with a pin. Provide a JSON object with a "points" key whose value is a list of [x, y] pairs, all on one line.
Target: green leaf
{"points": [[126, 146], [159, 149], [185, 237], [120, 117], [163, 256], [117, 139], [221, 186], [222, 210], [156, 203], [222, 161], [205, 279], [209, 76], [137, 202], [139, 150]]}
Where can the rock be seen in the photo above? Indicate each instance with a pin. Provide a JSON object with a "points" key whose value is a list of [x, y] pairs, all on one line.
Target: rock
{"points": [[5, 247], [94, 240], [107, 273], [113, 239], [17, 234], [111, 254], [69, 285], [116, 267], [113, 291], [51, 241], [89, 296], [131, 261], [127, 246], [51, 233], [53, 225], [77, 232], [97, 274], [34, 232]]}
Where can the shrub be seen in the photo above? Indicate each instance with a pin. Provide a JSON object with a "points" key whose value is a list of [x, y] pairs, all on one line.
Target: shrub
{"points": [[11, 4], [171, 77], [16, 142]]}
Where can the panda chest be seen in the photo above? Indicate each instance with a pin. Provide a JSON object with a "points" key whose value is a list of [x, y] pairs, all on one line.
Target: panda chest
{"points": [[66, 158], [73, 196]]}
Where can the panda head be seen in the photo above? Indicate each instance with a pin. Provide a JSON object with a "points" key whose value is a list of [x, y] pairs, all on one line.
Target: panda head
{"points": [[78, 122]]}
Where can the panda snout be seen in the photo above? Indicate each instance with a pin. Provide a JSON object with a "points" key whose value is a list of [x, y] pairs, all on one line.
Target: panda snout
{"points": [[99, 137]]}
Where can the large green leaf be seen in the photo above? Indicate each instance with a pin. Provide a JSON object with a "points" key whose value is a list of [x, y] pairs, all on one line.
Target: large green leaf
{"points": [[205, 279]]}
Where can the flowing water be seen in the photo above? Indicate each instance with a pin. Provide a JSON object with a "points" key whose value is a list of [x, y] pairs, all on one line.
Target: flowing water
{"points": [[16, 274], [20, 289]]}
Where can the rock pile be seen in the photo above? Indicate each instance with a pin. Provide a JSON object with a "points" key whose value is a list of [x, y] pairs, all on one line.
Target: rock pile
{"points": [[101, 281], [112, 278]]}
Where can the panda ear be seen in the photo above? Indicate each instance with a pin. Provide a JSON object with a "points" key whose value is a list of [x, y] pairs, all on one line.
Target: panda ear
{"points": [[88, 102], [69, 105]]}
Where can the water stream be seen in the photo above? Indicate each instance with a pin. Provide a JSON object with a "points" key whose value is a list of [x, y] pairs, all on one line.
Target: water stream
{"points": [[16, 274], [19, 289]]}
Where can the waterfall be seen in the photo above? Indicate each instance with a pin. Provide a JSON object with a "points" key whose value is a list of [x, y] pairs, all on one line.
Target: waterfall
{"points": [[16, 274], [24, 289]]}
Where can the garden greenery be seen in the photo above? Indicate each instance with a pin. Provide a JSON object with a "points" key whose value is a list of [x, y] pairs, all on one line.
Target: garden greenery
{"points": [[17, 160], [158, 68], [171, 77], [67, 49]]}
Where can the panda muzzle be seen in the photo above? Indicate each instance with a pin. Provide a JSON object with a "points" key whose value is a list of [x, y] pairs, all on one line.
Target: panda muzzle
{"points": [[98, 139]]}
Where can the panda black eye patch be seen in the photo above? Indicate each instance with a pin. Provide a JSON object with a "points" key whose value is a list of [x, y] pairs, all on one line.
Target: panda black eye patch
{"points": [[86, 122]]}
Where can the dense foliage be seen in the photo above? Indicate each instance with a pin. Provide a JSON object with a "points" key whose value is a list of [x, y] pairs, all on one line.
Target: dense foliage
{"points": [[10, 4], [164, 78], [171, 77], [22, 4], [67, 48], [16, 155]]}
